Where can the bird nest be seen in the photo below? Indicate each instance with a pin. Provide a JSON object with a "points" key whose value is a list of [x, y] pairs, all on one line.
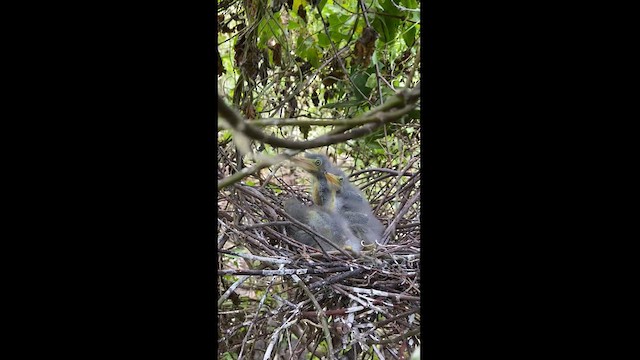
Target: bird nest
{"points": [[281, 299]]}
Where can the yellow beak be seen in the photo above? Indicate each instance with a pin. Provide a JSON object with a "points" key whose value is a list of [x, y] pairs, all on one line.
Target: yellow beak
{"points": [[333, 179], [306, 164]]}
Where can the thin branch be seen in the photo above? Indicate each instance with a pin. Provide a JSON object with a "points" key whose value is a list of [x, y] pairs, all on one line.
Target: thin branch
{"points": [[237, 176], [335, 278], [390, 171], [406, 335], [231, 289], [256, 258], [321, 315], [282, 272], [392, 227], [374, 292]]}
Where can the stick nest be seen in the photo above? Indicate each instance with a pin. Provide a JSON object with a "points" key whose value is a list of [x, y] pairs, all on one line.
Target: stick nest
{"points": [[281, 299]]}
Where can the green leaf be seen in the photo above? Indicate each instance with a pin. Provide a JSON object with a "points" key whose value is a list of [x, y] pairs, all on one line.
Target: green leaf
{"points": [[409, 36], [227, 356], [293, 25], [360, 80], [372, 81], [410, 4], [322, 4], [269, 28], [323, 40], [226, 135], [312, 57]]}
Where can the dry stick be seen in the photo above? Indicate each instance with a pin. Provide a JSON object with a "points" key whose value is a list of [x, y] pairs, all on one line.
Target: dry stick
{"points": [[397, 317], [282, 272], [343, 311], [406, 226], [252, 240], [231, 289], [390, 171], [335, 278], [289, 240], [395, 182], [391, 228], [274, 336], [321, 315], [379, 178], [367, 304], [258, 225], [406, 335], [257, 313], [309, 346], [258, 258], [244, 172], [374, 292], [410, 183]]}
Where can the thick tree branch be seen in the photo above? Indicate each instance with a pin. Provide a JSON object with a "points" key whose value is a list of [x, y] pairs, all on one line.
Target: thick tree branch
{"points": [[410, 99]]}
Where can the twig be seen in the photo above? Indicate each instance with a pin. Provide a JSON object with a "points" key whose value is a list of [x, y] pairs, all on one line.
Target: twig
{"points": [[259, 225], [257, 312], [231, 289], [406, 335], [392, 227], [282, 272], [390, 171], [314, 314], [374, 292], [394, 318], [256, 258], [335, 278], [321, 315], [232, 179]]}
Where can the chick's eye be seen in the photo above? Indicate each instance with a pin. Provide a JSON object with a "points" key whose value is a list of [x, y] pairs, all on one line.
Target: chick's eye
{"points": [[318, 162], [340, 179]]}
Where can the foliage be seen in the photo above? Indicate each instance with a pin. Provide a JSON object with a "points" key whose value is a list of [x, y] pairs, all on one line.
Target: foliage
{"points": [[278, 61]]}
